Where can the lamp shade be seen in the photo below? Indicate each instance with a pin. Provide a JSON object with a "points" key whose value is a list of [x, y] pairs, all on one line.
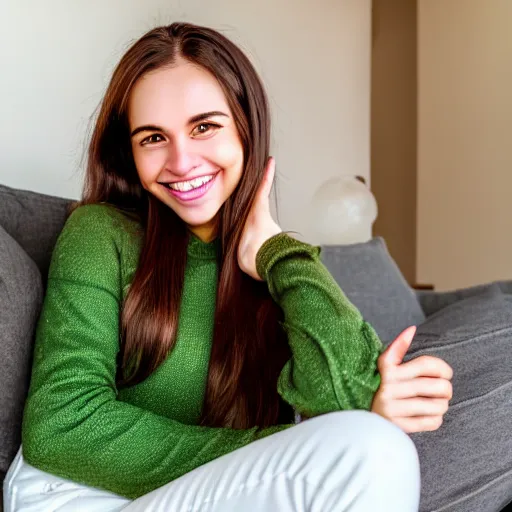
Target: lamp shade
{"points": [[344, 210]]}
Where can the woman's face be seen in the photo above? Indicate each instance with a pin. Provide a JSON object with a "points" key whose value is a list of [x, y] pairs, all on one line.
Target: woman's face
{"points": [[185, 144]]}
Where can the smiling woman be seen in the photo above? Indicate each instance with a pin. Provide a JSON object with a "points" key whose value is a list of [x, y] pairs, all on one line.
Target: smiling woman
{"points": [[183, 335]]}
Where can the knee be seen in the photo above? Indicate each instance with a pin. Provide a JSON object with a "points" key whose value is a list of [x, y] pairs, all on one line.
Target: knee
{"points": [[389, 447], [383, 445], [367, 459]]}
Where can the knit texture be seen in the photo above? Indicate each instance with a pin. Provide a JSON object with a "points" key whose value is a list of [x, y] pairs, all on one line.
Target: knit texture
{"points": [[77, 425]]}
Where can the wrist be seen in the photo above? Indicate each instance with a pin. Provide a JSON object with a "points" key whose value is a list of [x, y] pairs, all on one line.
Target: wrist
{"points": [[279, 247]]}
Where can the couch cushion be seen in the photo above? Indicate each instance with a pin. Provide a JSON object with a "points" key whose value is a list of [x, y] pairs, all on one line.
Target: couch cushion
{"points": [[2, 478], [34, 220], [21, 295], [372, 281], [465, 465]]}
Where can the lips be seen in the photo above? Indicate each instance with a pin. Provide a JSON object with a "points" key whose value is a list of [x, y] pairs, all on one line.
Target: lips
{"points": [[168, 183], [194, 194]]}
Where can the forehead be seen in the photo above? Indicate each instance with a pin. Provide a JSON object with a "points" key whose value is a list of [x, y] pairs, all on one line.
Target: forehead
{"points": [[169, 96]]}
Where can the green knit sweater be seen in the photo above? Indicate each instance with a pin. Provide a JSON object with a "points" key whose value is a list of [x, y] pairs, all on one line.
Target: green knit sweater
{"points": [[79, 426]]}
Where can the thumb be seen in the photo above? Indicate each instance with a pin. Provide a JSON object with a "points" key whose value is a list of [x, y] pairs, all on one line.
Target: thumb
{"points": [[395, 353], [268, 180]]}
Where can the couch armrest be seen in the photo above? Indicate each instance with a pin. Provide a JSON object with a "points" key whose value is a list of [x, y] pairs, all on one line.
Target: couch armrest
{"points": [[432, 301]]}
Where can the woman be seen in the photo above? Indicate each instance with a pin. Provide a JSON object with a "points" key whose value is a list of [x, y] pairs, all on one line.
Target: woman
{"points": [[182, 332]]}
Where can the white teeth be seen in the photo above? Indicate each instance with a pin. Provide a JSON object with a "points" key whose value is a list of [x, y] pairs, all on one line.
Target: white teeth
{"points": [[185, 186]]}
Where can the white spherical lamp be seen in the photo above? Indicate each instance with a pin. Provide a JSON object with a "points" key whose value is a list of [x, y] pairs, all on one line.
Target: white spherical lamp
{"points": [[344, 210]]}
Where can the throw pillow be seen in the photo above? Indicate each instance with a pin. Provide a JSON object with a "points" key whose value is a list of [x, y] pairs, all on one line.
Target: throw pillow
{"points": [[35, 221], [21, 295], [372, 281]]}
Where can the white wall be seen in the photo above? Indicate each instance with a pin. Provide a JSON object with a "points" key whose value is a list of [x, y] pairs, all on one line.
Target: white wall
{"points": [[464, 142], [314, 56]]}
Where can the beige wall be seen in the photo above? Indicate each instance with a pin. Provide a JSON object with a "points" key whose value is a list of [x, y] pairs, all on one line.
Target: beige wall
{"points": [[393, 128], [464, 142]]}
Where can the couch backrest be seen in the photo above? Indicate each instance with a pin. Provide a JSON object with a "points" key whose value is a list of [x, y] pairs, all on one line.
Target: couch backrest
{"points": [[366, 272], [34, 220]]}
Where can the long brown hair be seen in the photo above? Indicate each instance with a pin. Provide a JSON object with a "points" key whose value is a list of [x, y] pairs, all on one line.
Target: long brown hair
{"points": [[249, 346]]}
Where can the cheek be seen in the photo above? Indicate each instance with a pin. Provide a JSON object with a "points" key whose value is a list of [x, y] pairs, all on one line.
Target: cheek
{"points": [[148, 164], [227, 152]]}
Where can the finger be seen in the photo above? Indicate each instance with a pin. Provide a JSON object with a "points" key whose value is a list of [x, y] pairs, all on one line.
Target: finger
{"points": [[420, 387], [408, 407], [419, 423], [423, 366], [395, 353], [268, 180]]}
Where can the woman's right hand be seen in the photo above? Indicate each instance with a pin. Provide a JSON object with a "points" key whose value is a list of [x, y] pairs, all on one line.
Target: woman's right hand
{"points": [[412, 395], [260, 226]]}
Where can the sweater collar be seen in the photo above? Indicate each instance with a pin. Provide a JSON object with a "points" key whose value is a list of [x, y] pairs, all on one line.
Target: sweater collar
{"points": [[203, 250]]}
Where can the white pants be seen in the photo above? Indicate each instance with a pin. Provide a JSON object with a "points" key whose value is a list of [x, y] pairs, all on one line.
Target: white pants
{"points": [[344, 461]]}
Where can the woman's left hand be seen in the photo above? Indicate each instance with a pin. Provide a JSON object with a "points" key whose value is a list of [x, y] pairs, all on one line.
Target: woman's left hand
{"points": [[260, 226], [412, 395]]}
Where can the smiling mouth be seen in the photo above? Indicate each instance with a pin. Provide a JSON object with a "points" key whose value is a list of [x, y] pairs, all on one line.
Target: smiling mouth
{"points": [[191, 190], [193, 184]]}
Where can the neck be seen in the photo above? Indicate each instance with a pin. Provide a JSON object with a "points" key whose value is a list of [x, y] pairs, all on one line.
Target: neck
{"points": [[206, 232]]}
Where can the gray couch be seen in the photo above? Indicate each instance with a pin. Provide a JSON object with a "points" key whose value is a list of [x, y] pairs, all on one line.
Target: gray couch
{"points": [[466, 464]]}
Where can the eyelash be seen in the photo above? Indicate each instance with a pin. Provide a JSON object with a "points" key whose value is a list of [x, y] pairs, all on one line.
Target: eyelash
{"points": [[210, 126], [147, 140], [207, 124]]}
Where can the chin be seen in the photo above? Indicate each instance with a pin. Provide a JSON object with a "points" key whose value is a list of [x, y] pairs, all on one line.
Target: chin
{"points": [[196, 221]]}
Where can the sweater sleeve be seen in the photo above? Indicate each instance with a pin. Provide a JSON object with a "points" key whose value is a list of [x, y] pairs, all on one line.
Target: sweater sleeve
{"points": [[334, 351], [74, 426]]}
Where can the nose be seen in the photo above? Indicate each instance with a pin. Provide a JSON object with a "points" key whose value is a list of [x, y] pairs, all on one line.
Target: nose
{"points": [[180, 158]]}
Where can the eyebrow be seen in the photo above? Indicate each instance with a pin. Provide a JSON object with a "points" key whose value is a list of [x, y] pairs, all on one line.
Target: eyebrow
{"points": [[194, 119]]}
